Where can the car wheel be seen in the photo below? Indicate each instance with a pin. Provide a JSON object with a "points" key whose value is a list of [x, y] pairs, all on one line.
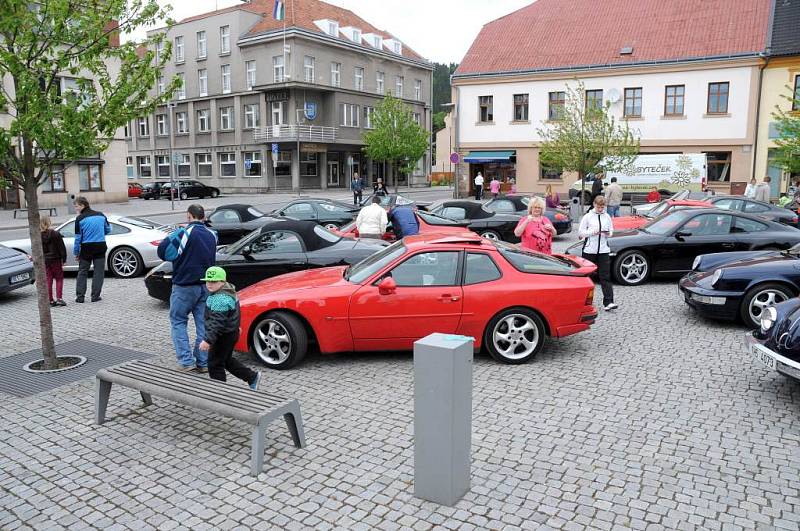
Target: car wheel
{"points": [[514, 336], [490, 235], [280, 340], [331, 226], [632, 268], [146, 198], [214, 193], [184, 195], [125, 262], [758, 298]]}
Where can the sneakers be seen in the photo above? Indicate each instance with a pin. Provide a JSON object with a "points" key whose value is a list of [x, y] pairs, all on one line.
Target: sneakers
{"points": [[79, 300], [60, 302], [610, 306], [95, 299], [52, 304], [201, 370], [256, 381], [186, 368]]}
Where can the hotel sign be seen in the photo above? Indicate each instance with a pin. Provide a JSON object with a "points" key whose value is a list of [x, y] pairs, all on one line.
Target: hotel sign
{"points": [[278, 95]]}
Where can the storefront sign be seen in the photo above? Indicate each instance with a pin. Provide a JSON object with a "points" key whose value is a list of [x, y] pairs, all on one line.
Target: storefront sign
{"points": [[308, 147], [278, 95]]}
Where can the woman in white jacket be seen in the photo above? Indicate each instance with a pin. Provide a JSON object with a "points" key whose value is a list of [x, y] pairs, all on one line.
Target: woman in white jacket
{"points": [[595, 229]]}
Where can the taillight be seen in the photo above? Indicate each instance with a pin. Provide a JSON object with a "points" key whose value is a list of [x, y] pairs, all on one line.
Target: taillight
{"points": [[560, 217], [590, 297], [794, 220], [155, 243]]}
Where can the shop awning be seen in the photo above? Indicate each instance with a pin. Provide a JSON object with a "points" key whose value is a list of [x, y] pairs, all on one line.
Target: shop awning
{"points": [[489, 156]]}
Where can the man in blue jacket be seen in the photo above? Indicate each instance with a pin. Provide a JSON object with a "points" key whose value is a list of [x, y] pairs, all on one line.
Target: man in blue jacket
{"points": [[196, 252], [404, 221], [90, 248]]}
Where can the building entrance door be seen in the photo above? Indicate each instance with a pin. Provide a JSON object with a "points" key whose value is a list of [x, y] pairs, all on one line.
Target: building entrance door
{"points": [[333, 173]]}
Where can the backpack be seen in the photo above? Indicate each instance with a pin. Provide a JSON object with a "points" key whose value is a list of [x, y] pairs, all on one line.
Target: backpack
{"points": [[176, 243]]}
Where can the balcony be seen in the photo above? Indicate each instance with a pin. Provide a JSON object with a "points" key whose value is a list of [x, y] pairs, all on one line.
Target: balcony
{"points": [[307, 133]]}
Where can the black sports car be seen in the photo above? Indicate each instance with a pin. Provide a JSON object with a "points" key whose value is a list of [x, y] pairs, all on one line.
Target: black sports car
{"points": [[185, 189], [16, 269], [518, 204], [741, 285], [278, 247], [389, 201], [326, 212], [776, 344], [768, 211], [231, 222], [152, 190], [490, 225], [669, 244]]}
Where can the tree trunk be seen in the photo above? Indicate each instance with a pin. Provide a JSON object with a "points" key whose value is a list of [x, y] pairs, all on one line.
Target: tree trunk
{"points": [[583, 189], [37, 251]]}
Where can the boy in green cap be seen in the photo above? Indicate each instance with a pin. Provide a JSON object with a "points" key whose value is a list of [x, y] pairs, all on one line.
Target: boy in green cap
{"points": [[222, 329]]}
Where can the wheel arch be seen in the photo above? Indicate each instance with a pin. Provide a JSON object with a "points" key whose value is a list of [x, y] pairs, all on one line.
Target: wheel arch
{"points": [[772, 280], [541, 316], [312, 336]]}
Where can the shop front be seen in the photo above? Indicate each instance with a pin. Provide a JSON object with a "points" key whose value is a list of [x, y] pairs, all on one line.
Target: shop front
{"points": [[490, 164]]}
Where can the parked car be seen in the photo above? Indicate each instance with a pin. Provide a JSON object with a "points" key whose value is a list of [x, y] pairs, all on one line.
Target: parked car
{"points": [[152, 190], [132, 244], [490, 225], [678, 196], [134, 190], [669, 244], [278, 246], [776, 343], [232, 222], [16, 269], [768, 211], [741, 285], [187, 189], [428, 223], [668, 205], [389, 201], [518, 204], [326, 212], [507, 298]]}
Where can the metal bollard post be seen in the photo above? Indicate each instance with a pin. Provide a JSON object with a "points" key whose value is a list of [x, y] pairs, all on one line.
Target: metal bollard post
{"points": [[71, 204], [442, 417]]}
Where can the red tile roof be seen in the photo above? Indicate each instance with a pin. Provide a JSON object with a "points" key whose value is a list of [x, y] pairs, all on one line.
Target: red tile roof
{"points": [[553, 34]]}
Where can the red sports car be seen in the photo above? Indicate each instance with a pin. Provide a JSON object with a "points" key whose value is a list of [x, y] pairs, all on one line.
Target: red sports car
{"points": [[507, 298], [428, 223], [134, 190], [668, 205]]}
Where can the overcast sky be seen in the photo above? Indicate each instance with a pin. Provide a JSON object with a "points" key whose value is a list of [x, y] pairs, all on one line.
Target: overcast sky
{"points": [[440, 30]]}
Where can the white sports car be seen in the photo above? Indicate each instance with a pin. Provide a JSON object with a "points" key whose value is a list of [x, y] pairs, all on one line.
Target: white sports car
{"points": [[132, 244]]}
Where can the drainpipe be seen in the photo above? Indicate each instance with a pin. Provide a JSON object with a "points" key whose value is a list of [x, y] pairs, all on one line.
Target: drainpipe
{"points": [[758, 112]]}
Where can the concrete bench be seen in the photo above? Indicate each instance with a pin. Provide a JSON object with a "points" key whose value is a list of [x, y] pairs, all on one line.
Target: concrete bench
{"points": [[255, 408], [50, 210]]}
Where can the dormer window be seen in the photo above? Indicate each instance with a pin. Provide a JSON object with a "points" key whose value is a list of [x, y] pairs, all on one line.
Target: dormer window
{"points": [[354, 34], [333, 28], [394, 45], [374, 40]]}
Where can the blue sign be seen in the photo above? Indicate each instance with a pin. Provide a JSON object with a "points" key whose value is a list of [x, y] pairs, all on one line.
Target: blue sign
{"points": [[275, 148], [310, 110], [248, 164]]}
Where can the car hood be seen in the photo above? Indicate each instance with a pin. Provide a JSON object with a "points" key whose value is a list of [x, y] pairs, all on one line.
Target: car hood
{"points": [[623, 223], [300, 280], [6, 253], [784, 335], [712, 261], [22, 243]]}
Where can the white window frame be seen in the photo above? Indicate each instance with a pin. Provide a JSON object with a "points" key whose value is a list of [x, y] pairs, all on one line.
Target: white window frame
{"points": [[417, 117], [368, 112], [162, 85], [180, 55], [162, 161], [226, 118], [349, 114], [161, 124], [358, 78], [308, 68], [276, 110], [250, 76], [253, 157], [224, 40], [336, 74], [143, 161], [203, 120], [252, 116], [181, 123], [398, 86], [418, 89], [143, 127], [278, 69], [207, 162], [225, 73], [127, 130], [227, 159], [185, 162], [202, 45], [202, 82], [333, 28], [380, 83], [356, 35], [181, 92]]}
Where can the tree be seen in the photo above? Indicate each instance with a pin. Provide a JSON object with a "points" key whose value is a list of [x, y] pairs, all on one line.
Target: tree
{"points": [[438, 121], [40, 44], [441, 85], [787, 124], [584, 135], [396, 137]]}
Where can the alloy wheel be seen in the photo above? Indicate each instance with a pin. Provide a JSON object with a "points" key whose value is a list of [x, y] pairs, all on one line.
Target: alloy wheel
{"points": [[764, 299], [272, 342], [331, 226], [125, 263], [490, 235], [515, 336], [633, 268]]}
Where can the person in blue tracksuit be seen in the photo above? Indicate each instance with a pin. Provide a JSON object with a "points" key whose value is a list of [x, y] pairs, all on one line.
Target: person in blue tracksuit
{"points": [[90, 248], [404, 221]]}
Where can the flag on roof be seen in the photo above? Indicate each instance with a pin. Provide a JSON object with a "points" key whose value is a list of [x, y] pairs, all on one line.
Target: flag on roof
{"points": [[279, 12]]}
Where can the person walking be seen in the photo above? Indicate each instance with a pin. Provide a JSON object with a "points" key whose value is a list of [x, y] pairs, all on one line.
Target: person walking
{"points": [[750, 191], [763, 191], [90, 248], [595, 229], [494, 187], [597, 189], [479, 186], [613, 198], [535, 230], [357, 186], [372, 220], [379, 188], [55, 256], [192, 250], [222, 318], [404, 221], [551, 198]]}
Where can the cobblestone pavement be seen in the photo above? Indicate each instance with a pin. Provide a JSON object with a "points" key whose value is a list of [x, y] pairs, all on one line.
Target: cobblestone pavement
{"points": [[654, 419]]}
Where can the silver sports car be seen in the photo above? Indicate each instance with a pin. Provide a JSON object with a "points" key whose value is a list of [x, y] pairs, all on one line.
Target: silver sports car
{"points": [[132, 244]]}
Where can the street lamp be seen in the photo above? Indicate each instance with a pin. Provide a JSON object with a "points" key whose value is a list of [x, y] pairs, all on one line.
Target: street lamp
{"points": [[454, 121], [297, 126], [170, 107]]}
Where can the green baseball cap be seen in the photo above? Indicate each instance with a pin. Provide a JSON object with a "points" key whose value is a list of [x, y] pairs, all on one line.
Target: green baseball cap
{"points": [[214, 274]]}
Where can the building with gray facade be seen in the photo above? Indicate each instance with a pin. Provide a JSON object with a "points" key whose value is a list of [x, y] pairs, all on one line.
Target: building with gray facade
{"points": [[265, 106]]}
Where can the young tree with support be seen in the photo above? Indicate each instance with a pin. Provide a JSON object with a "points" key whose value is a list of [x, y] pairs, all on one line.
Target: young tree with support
{"points": [[41, 43]]}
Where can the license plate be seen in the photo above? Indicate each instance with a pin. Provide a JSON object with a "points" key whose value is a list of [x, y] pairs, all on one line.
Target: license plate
{"points": [[763, 355], [20, 277]]}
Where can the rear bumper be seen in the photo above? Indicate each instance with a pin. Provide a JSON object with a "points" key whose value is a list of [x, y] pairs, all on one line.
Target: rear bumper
{"points": [[783, 364], [710, 303], [12, 271], [158, 287]]}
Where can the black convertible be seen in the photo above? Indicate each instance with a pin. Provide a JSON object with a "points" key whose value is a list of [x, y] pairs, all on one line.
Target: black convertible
{"points": [[669, 244], [518, 204], [488, 224], [231, 222], [326, 212], [389, 201], [280, 246]]}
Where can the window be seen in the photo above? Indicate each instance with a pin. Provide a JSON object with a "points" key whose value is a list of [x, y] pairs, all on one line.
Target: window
{"points": [[224, 40], [397, 47], [380, 78], [719, 166], [227, 164], [358, 78], [90, 177], [182, 125], [278, 71], [728, 204], [336, 69], [718, 98], [204, 164], [127, 130], [708, 225], [747, 225], [161, 84], [128, 167], [179, 56], [673, 100], [427, 269], [162, 165], [556, 102], [184, 166], [357, 35], [594, 100], [202, 50], [520, 107], [224, 216], [252, 116], [159, 51], [226, 78], [368, 117], [417, 117], [54, 182], [349, 115], [144, 127], [302, 211], [145, 170], [633, 102], [279, 112], [250, 68], [796, 102], [398, 86], [454, 213], [161, 124], [252, 163], [226, 118], [181, 92], [202, 82], [486, 109], [276, 242], [308, 69], [203, 122], [418, 89], [530, 262], [754, 208], [480, 268], [308, 164], [548, 172], [333, 28]]}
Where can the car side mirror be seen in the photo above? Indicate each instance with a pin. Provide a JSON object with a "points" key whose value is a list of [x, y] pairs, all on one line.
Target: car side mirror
{"points": [[680, 235], [387, 286]]}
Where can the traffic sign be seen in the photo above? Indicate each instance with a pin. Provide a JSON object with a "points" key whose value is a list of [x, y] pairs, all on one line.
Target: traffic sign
{"points": [[454, 157], [275, 148]]}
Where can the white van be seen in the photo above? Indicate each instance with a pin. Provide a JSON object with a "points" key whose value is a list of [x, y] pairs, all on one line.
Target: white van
{"points": [[670, 173]]}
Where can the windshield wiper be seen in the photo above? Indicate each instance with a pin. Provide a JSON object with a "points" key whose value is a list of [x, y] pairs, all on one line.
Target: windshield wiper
{"points": [[346, 273]]}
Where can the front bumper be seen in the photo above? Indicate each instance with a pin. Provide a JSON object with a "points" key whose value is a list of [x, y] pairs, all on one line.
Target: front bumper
{"points": [[562, 227], [708, 302], [769, 359], [159, 287]]}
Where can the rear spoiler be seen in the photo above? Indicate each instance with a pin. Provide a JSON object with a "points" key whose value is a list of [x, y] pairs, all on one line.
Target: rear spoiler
{"points": [[584, 266]]}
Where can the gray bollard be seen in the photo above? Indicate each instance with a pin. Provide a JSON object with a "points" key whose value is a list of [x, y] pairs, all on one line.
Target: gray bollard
{"points": [[442, 417]]}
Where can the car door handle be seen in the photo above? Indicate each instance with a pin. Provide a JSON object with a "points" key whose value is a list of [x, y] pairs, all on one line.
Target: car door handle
{"points": [[728, 245], [449, 298]]}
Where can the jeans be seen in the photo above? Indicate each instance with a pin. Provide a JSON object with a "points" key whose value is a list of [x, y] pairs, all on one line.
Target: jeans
{"points": [[99, 263], [478, 191], [183, 301], [613, 211], [357, 194], [220, 359], [603, 263]]}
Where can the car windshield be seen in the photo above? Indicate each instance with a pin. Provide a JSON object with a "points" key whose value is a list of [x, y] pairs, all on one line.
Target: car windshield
{"points": [[236, 246], [657, 210], [143, 223], [666, 224], [325, 234], [683, 194], [256, 213], [434, 219], [370, 265], [532, 262]]}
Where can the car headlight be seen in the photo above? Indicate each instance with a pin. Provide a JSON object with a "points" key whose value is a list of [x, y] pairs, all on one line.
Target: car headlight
{"points": [[768, 318], [716, 276], [696, 263]]}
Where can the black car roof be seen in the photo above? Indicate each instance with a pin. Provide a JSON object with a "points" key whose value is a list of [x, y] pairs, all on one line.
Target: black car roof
{"points": [[734, 213], [305, 229], [473, 209], [241, 209]]}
